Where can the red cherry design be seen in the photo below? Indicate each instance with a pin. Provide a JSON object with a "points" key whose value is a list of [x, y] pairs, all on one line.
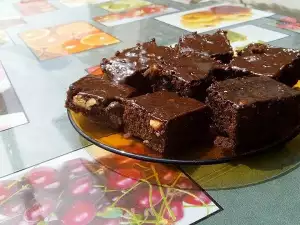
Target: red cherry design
{"points": [[94, 195], [16, 204], [289, 19], [13, 207], [81, 213], [44, 178], [153, 9], [117, 161], [296, 26], [76, 167], [288, 26], [167, 175], [202, 199], [176, 207], [185, 183], [143, 198], [128, 178], [39, 211], [283, 25], [81, 186], [8, 188], [4, 193], [63, 205]]}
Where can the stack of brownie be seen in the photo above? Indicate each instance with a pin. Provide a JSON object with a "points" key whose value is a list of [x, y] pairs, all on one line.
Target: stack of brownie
{"points": [[154, 93]]}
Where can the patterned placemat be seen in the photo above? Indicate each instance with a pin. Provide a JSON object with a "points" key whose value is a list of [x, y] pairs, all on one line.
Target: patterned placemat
{"points": [[77, 189]]}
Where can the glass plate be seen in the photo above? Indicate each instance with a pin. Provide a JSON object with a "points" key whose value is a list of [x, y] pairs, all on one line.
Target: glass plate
{"points": [[115, 142]]}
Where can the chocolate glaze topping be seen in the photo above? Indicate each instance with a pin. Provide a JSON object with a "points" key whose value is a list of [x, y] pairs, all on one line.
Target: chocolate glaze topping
{"points": [[134, 60], [165, 106], [102, 90], [206, 44], [260, 59], [188, 68], [244, 91]]}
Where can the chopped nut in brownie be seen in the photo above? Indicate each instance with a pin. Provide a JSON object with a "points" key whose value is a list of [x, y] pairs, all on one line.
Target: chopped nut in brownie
{"points": [[165, 121], [99, 99]]}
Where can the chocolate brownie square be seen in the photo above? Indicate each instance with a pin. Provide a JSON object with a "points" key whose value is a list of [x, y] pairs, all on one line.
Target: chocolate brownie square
{"points": [[214, 45], [262, 60], [165, 121], [129, 65], [188, 75], [253, 111], [99, 99]]}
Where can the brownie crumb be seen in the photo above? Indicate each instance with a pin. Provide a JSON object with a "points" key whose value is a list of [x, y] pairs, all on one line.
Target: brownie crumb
{"points": [[224, 143]]}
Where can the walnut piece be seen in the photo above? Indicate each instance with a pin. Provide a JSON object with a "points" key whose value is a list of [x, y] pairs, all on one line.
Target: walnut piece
{"points": [[87, 104], [155, 124], [90, 103]]}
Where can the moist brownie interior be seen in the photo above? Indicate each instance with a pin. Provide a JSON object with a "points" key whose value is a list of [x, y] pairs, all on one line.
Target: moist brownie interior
{"points": [[99, 99], [252, 111], [165, 121]]}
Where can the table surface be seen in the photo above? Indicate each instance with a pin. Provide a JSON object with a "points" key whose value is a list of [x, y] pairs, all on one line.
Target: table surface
{"points": [[40, 82]]}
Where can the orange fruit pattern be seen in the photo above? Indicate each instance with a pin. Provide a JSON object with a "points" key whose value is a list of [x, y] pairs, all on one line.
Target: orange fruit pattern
{"points": [[48, 43]]}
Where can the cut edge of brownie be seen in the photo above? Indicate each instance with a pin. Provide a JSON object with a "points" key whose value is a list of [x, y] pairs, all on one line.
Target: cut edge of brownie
{"points": [[110, 112], [225, 143], [166, 137], [110, 116], [290, 73], [224, 57], [135, 80], [194, 89], [223, 115], [250, 126]]}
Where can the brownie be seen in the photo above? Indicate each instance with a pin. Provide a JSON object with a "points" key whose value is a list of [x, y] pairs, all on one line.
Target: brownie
{"points": [[188, 75], [165, 121], [214, 45], [253, 111], [225, 143], [129, 65], [99, 99], [262, 60]]}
